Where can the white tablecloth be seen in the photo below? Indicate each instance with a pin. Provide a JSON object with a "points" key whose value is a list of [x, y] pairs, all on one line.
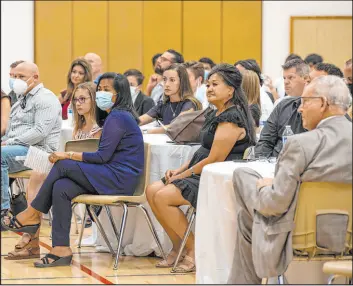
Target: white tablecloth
{"points": [[216, 220], [138, 239]]}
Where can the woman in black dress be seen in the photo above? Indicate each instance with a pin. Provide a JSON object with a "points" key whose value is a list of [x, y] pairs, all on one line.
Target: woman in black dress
{"points": [[227, 132]]}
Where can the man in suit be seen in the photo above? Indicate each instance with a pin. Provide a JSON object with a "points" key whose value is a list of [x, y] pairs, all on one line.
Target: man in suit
{"points": [[142, 103], [267, 206]]}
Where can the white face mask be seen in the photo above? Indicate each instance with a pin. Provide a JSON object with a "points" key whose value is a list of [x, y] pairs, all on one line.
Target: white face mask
{"points": [[134, 93], [20, 86]]}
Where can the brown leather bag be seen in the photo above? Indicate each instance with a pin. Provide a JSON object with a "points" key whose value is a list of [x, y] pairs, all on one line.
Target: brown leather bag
{"points": [[186, 127]]}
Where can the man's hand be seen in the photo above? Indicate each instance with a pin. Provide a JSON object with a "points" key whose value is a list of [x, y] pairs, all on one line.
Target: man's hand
{"points": [[152, 82], [263, 183]]}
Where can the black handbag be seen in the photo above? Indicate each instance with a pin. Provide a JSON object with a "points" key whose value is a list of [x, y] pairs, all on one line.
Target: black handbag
{"points": [[18, 203]]}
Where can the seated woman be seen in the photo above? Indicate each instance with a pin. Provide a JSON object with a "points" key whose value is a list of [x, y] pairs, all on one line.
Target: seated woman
{"points": [[80, 71], [114, 169], [84, 112], [251, 87], [226, 133], [178, 98]]}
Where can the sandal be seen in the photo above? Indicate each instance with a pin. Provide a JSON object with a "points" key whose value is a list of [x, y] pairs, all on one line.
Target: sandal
{"points": [[185, 268], [164, 264], [58, 261], [27, 253], [19, 247], [14, 223]]}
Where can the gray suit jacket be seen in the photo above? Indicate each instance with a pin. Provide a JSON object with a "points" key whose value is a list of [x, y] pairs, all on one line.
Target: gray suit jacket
{"points": [[323, 154]]}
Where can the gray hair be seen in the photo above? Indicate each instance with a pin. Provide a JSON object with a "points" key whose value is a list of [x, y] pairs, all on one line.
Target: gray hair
{"points": [[333, 88], [301, 67]]}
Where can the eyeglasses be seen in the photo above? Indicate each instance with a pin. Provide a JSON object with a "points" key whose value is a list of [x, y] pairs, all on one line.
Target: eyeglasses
{"points": [[305, 99], [80, 100], [163, 59]]}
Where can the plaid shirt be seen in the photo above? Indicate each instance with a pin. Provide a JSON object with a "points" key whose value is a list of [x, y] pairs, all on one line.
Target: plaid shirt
{"points": [[35, 120]]}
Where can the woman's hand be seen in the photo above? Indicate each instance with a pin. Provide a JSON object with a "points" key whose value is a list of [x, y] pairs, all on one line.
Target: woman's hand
{"points": [[173, 178], [56, 156], [171, 173]]}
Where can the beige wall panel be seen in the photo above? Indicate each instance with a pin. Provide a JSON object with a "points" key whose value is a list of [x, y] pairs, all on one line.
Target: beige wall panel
{"points": [[52, 40], [89, 29], [202, 37], [241, 31], [330, 37], [125, 48], [162, 30]]}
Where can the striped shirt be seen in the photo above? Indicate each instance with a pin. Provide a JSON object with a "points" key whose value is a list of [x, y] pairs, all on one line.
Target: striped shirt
{"points": [[38, 123]]}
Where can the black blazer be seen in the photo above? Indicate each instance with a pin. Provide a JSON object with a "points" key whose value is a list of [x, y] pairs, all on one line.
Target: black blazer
{"points": [[143, 104]]}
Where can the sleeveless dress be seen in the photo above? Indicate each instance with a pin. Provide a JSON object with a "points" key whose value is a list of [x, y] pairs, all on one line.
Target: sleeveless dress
{"points": [[189, 186], [86, 135]]}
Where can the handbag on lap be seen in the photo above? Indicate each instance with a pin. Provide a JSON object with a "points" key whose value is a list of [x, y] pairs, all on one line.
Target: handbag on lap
{"points": [[187, 126]]}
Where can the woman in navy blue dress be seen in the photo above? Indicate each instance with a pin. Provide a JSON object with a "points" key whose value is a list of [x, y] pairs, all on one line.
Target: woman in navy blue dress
{"points": [[114, 169]]}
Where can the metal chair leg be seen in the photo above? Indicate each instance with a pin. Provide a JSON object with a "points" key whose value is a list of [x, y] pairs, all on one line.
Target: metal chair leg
{"points": [[153, 230], [331, 279], [264, 281], [73, 206], [82, 229], [122, 230], [185, 238], [281, 280], [101, 230], [50, 217], [115, 229], [189, 213]]}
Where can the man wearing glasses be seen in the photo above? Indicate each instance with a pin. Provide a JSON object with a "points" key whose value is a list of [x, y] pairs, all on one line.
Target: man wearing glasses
{"points": [[35, 120], [155, 88], [267, 206]]}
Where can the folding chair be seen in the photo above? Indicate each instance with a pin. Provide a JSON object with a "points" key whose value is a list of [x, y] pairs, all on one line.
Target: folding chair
{"points": [[317, 199], [136, 200]]}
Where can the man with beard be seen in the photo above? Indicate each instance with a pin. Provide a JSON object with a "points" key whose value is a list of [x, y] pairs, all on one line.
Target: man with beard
{"points": [[155, 88]]}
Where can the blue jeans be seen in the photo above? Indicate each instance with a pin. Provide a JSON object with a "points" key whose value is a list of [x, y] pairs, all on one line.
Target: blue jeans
{"points": [[10, 165]]}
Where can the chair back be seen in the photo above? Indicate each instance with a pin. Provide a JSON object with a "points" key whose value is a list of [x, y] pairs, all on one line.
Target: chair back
{"points": [[145, 177], [83, 145], [316, 199]]}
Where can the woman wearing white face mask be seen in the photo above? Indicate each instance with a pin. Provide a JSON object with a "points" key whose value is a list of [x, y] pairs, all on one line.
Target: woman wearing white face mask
{"points": [[142, 103], [196, 74], [114, 169]]}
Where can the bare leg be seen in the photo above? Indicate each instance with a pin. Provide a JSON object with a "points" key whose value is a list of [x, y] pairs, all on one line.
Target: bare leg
{"points": [[35, 182], [167, 201], [150, 193]]}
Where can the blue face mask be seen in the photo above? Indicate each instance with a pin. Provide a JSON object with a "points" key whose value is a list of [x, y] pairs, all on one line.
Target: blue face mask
{"points": [[104, 100], [11, 81], [206, 74]]}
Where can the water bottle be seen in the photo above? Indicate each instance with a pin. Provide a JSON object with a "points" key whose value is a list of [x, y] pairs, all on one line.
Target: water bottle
{"points": [[287, 132], [69, 115]]}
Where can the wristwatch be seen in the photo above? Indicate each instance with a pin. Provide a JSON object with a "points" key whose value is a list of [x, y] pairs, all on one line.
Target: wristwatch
{"points": [[192, 171], [71, 154]]}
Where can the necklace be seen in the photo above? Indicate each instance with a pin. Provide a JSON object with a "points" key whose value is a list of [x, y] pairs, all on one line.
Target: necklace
{"points": [[170, 105]]}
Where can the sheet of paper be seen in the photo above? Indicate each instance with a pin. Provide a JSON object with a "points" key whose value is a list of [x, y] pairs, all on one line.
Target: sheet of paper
{"points": [[37, 160]]}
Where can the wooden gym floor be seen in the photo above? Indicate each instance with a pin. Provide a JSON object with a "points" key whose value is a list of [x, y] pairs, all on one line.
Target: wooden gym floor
{"points": [[88, 266]]}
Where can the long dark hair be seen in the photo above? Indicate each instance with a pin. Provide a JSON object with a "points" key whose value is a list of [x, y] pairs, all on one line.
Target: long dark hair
{"points": [[123, 100], [87, 77], [232, 77], [185, 90]]}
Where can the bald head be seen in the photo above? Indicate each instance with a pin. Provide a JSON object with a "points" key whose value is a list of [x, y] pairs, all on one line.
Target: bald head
{"points": [[96, 63], [28, 72], [28, 67]]}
